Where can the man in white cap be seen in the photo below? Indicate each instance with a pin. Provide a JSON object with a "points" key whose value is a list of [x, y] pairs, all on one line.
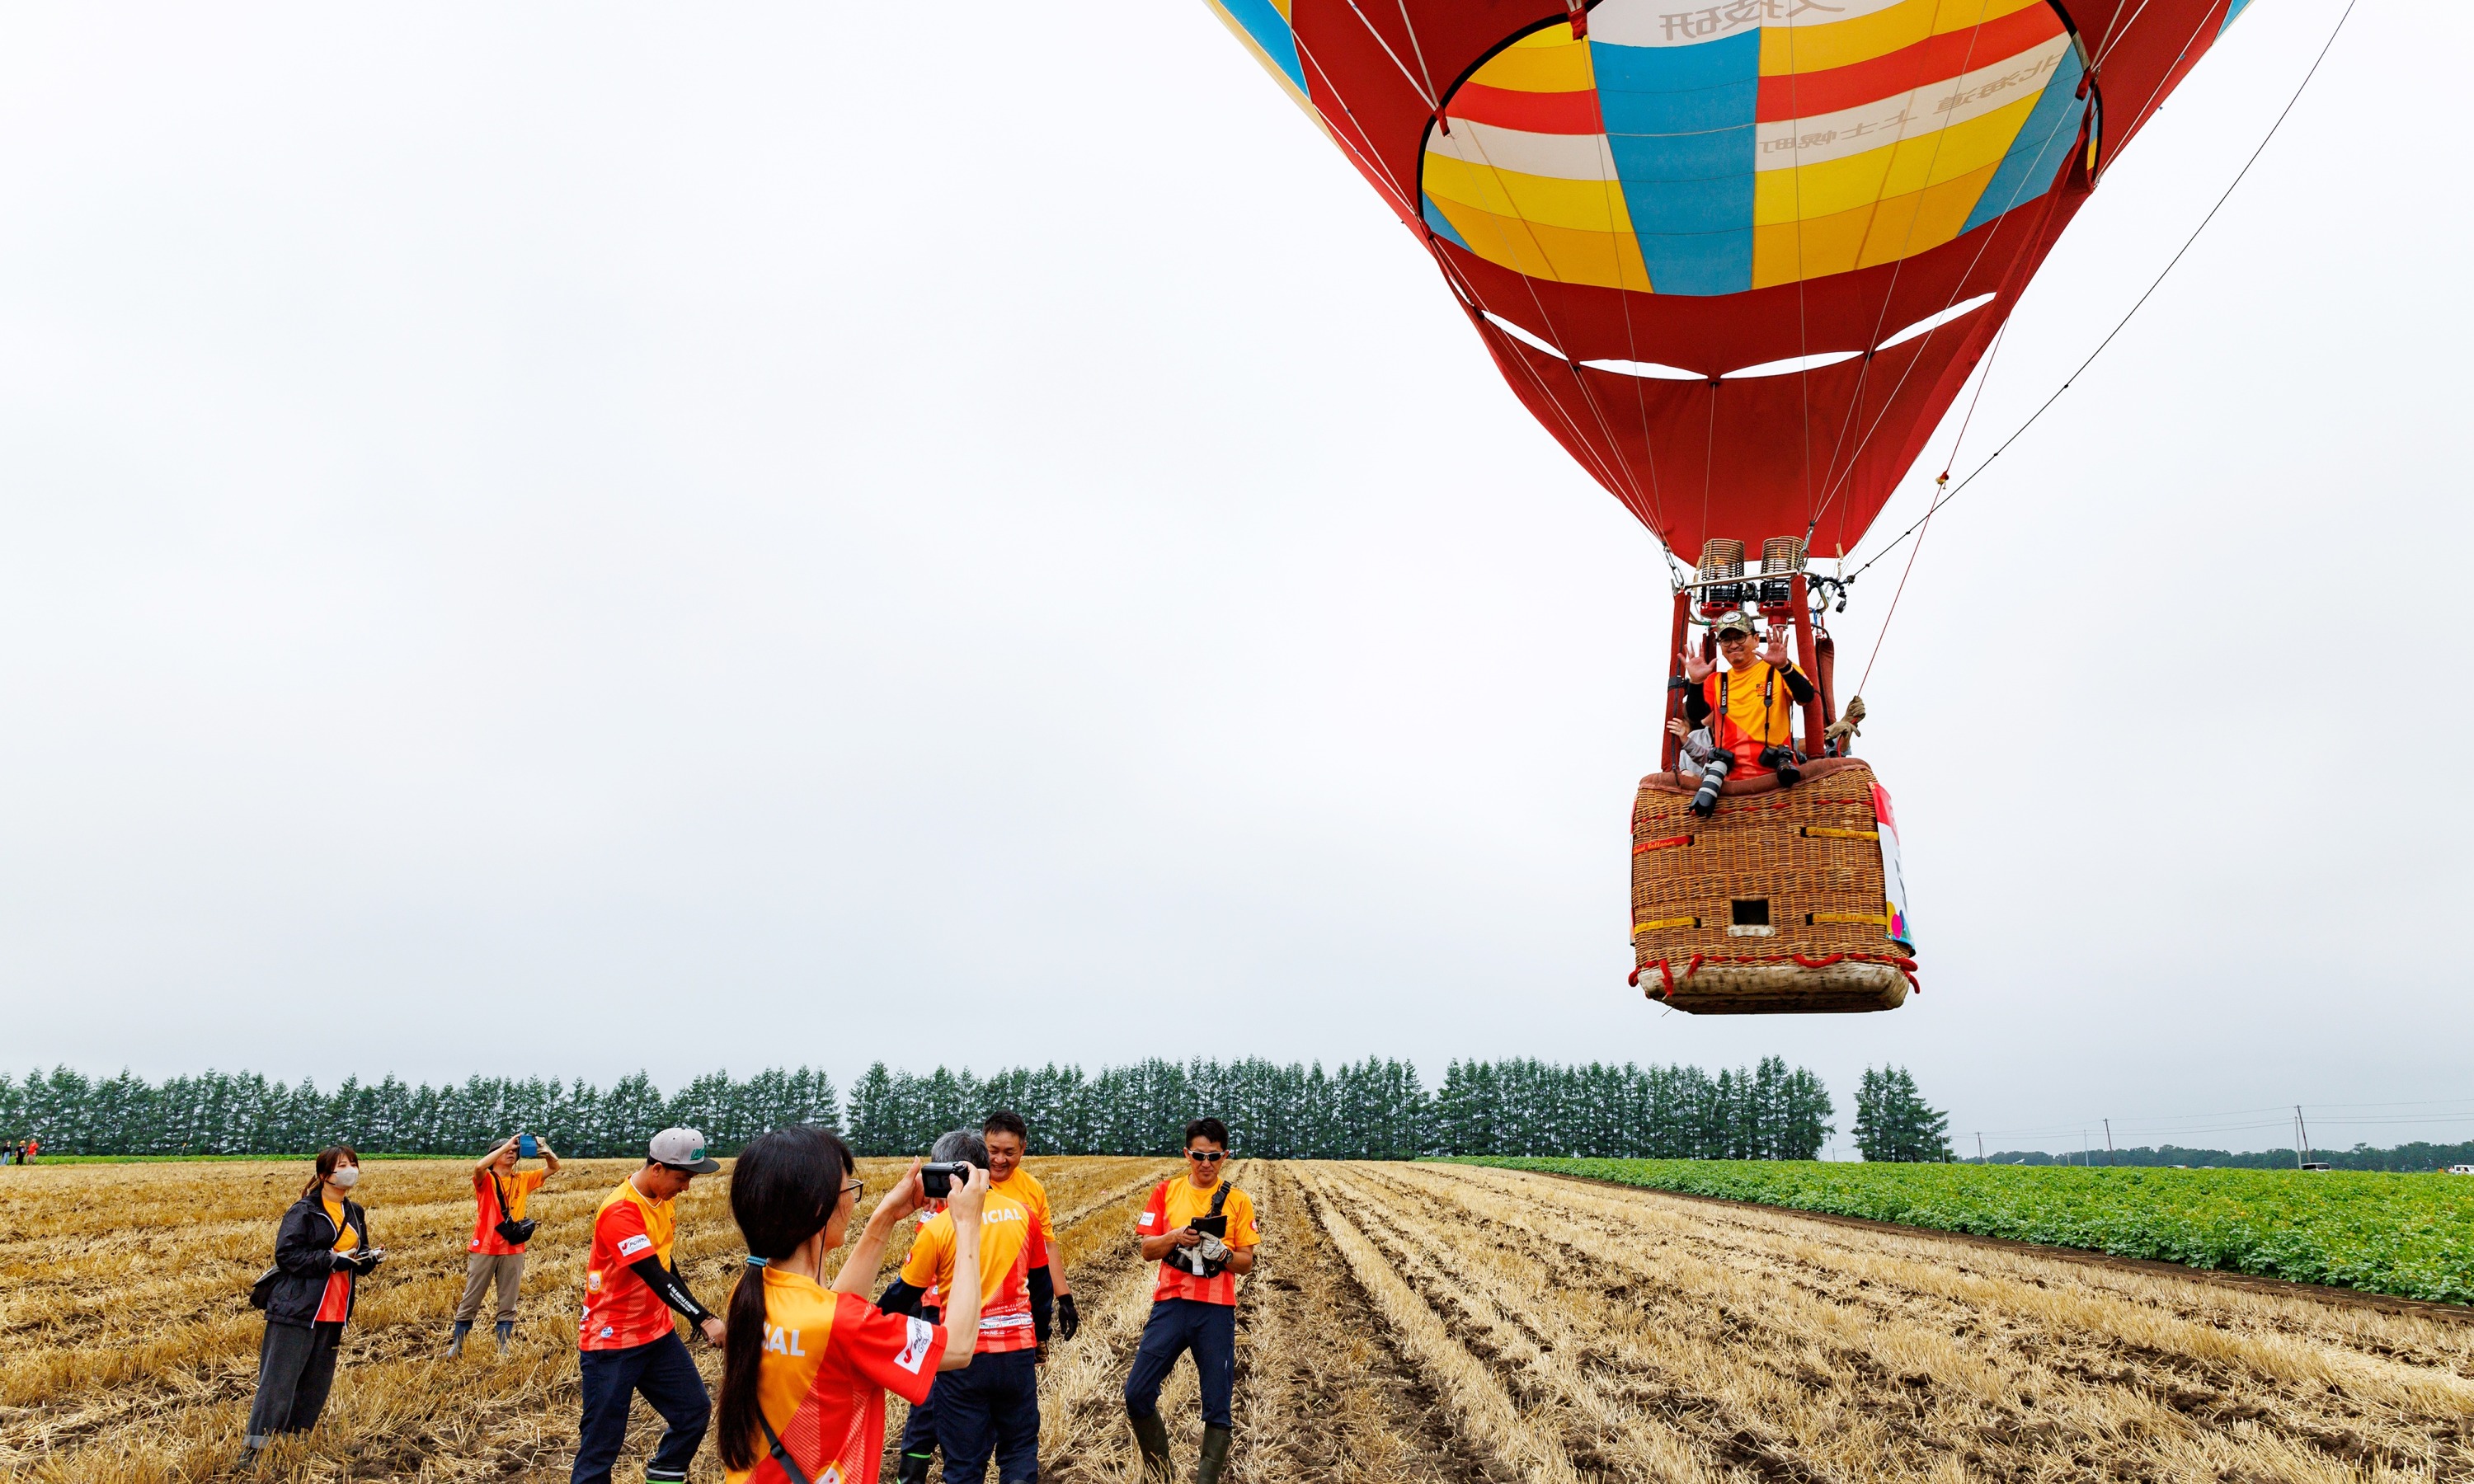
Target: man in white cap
{"points": [[629, 1341]]}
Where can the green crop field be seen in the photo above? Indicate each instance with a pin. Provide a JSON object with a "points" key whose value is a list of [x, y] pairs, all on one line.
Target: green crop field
{"points": [[2411, 1235]]}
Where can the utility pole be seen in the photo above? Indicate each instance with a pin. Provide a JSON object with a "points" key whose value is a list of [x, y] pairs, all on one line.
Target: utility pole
{"points": [[2301, 1138], [1980, 1148], [2085, 1159], [2108, 1144]]}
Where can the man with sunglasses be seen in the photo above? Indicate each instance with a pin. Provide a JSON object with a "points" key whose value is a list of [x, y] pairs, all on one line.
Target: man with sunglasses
{"points": [[1201, 1234]]}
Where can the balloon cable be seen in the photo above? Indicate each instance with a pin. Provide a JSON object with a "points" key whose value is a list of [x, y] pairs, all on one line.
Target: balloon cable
{"points": [[1884, 637], [1941, 500]]}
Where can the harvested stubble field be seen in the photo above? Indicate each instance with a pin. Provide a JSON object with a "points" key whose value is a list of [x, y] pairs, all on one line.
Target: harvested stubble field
{"points": [[1408, 1323]]}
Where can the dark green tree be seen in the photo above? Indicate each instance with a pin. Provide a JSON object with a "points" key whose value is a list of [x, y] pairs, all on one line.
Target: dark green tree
{"points": [[1894, 1125]]}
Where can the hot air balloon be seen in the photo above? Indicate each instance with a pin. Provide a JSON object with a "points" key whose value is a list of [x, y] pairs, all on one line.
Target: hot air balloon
{"points": [[1738, 258]]}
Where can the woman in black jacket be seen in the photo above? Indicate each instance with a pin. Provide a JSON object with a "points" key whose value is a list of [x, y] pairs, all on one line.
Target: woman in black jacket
{"points": [[321, 1252]]}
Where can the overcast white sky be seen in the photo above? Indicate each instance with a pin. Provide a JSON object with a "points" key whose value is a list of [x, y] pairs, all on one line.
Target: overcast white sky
{"points": [[562, 538]]}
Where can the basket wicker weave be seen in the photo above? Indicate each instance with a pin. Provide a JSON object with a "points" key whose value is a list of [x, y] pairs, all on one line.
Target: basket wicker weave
{"points": [[1810, 855]]}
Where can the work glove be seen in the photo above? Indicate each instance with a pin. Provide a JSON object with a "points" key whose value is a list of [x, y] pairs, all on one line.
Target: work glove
{"points": [[1068, 1321], [1213, 1249]]}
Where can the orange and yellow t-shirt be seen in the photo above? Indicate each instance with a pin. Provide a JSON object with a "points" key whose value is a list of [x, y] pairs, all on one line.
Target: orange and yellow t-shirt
{"points": [[1759, 713], [619, 1311], [844, 1354], [1011, 1246], [1178, 1201], [486, 1185], [1024, 1186], [336, 1304]]}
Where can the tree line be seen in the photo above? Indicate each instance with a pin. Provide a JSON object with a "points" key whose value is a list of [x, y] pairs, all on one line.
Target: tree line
{"points": [[2406, 1157], [1376, 1109]]}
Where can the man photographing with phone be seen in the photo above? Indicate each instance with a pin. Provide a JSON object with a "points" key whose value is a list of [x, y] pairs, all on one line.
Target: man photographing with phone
{"points": [[500, 1191], [1200, 1231]]}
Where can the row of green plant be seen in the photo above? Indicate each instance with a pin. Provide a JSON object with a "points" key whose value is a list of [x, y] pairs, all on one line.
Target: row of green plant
{"points": [[2411, 1235]]}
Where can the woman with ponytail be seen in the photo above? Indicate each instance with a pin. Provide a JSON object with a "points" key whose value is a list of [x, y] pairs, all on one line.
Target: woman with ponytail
{"points": [[320, 1253], [806, 1367]]}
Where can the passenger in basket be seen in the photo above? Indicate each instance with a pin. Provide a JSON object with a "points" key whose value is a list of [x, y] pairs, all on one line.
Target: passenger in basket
{"points": [[1749, 706], [1694, 750]]}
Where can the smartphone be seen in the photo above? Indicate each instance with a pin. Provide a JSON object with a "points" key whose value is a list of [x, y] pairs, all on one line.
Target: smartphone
{"points": [[527, 1147], [938, 1180]]}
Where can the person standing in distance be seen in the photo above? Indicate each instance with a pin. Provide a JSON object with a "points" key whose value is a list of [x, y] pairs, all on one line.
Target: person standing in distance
{"points": [[320, 1253], [501, 1192], [1201, 1234], [629, 1341], [805, 1371]]}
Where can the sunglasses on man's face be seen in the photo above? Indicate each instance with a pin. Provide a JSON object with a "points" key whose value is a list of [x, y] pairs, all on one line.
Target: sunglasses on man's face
{"points": [[1207, 1158]]}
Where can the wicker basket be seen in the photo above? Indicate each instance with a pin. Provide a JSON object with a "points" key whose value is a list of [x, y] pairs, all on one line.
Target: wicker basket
{"points": [[1774, 905]]}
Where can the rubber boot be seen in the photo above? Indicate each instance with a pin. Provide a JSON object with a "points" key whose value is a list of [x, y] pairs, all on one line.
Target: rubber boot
{"points": [[1215, 1455], [1150, 1435], [506, 1332], [914, 1468], [455, 1341]]}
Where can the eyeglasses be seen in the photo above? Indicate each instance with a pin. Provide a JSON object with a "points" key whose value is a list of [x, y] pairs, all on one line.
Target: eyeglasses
{"points": [[856, 1187], [1207, 1159]]}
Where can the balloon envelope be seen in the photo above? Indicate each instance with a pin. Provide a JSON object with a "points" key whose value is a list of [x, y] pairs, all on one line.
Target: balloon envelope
{"points": [[1738, 258]]}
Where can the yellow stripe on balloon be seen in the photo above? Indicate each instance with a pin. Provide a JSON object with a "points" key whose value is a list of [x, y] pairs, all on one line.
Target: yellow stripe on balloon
{"points": [[1819, 46], [1542, 61], [1878, 232], [1551, 201], [1806, 192], [1602, 259]]}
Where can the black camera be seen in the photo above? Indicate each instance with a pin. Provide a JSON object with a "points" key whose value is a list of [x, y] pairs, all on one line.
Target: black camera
{"points": [[1785, 761], [938, 1180], [1706, 801]]}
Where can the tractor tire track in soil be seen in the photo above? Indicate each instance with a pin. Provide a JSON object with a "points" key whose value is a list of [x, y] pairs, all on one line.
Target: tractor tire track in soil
{"points": [[1884, 1359], [1410, 1324], [1324, 1393]]}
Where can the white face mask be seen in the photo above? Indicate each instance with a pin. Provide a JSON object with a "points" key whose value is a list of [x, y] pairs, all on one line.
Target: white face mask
{"points": [[346, 1176]]}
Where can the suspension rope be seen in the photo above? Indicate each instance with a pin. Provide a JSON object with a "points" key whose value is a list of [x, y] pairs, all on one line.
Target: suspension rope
{"points": [[1939, 485], [1941, 500]]}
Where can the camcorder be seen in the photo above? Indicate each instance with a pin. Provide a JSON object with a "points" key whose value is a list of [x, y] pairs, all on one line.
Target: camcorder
{"points": [[938, 1180]]}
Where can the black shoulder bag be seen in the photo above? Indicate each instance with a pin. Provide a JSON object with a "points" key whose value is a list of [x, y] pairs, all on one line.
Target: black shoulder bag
{"points": [[513, 1233]]}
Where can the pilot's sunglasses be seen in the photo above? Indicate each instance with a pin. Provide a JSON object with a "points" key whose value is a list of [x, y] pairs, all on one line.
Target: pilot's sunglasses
{"points": [[1207, 1159]]}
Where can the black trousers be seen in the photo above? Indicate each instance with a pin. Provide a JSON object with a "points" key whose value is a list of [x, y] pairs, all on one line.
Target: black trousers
{"points": [[667, 1375], [990, 1408], [1177, 1326], [296, 1369]]}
